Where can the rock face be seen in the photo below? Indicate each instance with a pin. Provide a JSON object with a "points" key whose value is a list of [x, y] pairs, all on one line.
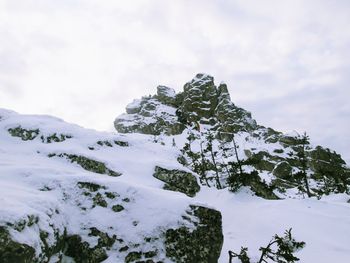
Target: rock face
{"points": [[166, 95], [200, 245], [200, 99], [150, 116], [196, 235], [201, 102], [283, 170], [204, 110], [177, 180], [12, 251]]}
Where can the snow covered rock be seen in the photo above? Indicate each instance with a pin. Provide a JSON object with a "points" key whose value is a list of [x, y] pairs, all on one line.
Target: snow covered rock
{"points": [[70, 194], [200, 102], [149, 116], [200, 245], [166, 95], [11, 251], [83, 196], [204, 109], [177, 180], [200, 98]]}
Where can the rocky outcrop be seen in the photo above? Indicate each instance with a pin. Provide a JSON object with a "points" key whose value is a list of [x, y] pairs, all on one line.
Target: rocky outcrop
{"points": [[207, 109], [196, 236], [87, 164], [177, 180], [203, 244], [201, 102], [200, 99], [31, 134], [166, 95], [150, 116], [12, 251], [283, 170], [232, 119]]}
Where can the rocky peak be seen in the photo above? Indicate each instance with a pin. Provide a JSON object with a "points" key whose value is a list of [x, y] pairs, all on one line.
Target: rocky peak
{"points": [[223, 92], [200, 98], [201, 102], [202, 79]]}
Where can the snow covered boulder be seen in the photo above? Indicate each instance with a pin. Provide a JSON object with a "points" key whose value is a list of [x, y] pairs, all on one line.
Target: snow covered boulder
{"points": [[87, 163]]}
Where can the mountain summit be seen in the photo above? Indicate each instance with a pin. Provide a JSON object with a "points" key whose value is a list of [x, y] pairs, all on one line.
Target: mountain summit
{"points": [[201, 102]]}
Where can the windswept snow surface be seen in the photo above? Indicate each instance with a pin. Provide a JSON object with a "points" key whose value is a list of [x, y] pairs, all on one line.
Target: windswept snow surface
{"points": [[26, 169]]}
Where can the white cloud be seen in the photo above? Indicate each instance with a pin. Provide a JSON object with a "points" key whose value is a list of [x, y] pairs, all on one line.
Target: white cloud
{"points": [[84, 60]]}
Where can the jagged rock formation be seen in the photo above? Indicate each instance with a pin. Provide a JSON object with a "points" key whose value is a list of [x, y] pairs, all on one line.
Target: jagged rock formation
{"points": [[201, 102], [151, 115], [203, 109]]}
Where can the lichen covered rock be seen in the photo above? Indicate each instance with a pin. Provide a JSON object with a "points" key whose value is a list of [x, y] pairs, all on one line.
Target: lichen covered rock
{"points": [[200, 98], [149, 116], [283, 170], [203, 244], [31, 134], [11, 251], [166, 95], [177, 180], [88, 164], [170, 113], [24, 134]]}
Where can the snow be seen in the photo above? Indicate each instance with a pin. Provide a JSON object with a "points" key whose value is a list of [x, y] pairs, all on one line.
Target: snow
{"points": [[135, 104], [25, 171], [251, 222]]}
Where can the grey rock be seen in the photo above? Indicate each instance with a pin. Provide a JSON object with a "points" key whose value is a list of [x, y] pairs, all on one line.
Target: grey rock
{"points": [[283, 170], [177, 180], [203, 244], [166, 95]]}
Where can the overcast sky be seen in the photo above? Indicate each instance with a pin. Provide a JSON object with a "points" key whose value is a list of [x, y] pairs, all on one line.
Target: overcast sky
{"points": [[288, 62]]}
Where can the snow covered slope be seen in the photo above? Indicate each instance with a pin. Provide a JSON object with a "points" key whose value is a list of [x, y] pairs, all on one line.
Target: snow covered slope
{"points": [[91, 196], [168, 188]]}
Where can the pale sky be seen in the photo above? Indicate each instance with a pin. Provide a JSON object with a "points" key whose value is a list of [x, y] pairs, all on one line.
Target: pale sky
{"points": [[288, 62]]}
